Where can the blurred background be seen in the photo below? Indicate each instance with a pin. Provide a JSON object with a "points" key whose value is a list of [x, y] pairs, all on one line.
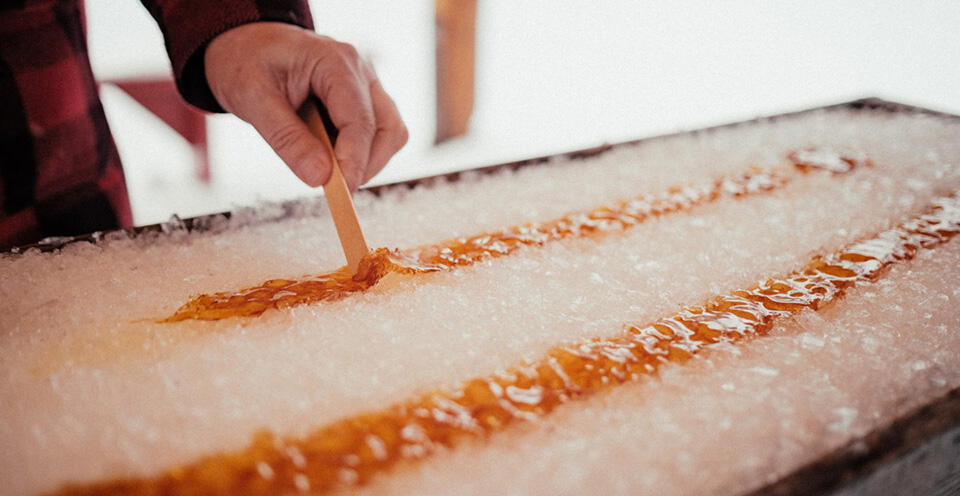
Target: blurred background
{"points": [[549, 76]]}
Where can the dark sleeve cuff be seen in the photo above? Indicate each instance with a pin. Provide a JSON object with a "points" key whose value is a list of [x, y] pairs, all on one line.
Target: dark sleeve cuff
{"points": [[189, 26]]}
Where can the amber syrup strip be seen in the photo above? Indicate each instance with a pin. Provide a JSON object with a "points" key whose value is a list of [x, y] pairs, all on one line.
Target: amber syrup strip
{"points": [[354, 449], [284, 293]]}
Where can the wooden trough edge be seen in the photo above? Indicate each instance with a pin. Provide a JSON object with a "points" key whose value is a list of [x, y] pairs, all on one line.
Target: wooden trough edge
{"points": [[880, 454]]}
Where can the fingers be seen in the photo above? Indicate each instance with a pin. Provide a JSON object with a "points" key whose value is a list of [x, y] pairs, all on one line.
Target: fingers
{"points": [[290, 138], [391, 133], [343, 88], [262, 71]]}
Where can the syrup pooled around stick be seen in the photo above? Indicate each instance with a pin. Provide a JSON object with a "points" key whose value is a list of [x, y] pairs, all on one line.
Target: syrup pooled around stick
{"points": [[284, 293], [354, 449]]}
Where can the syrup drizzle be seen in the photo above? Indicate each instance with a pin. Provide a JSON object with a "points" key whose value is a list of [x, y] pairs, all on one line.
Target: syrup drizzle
{"points": [[354, 449], [285, 293]]}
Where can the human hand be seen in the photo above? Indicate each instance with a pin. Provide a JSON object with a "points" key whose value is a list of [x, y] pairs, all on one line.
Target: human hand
{"points": [[263, 72]]}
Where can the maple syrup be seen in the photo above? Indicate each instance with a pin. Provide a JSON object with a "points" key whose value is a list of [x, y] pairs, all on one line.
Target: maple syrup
{"points": [[284, 293], [356, 448]]}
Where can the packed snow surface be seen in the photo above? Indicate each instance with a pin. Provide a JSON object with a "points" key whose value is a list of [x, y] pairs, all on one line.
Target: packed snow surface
{"points": [[92, 387]]}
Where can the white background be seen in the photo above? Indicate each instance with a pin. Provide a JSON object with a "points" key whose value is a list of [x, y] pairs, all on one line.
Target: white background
{"points": [[552, 76]]}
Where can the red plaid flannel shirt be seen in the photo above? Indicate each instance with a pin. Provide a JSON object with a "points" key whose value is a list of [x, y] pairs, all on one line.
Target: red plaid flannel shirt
{"points": [[59, 169]]}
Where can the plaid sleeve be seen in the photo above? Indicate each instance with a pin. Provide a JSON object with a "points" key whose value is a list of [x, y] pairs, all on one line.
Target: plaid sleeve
{"points": [[60, 174], [189, 25]]}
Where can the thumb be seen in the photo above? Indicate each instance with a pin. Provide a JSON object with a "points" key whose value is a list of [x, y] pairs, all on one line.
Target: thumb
{"points": [[288, 135]]}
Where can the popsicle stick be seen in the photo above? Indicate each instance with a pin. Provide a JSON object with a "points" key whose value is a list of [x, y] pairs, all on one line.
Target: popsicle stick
{"points": [[338, 195]]}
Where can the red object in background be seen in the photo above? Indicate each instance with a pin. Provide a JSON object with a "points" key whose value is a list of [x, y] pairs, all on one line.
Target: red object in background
{"points": [[161, 98]]}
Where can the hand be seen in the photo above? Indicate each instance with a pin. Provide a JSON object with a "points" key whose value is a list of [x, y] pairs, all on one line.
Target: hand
{"points": [[262, 72]]}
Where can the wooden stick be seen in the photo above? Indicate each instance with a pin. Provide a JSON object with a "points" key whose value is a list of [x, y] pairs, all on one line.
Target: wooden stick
{"points": [[338, 195]]}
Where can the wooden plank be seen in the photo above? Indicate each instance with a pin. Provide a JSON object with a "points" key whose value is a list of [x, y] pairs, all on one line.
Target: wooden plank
{"points": [[456, 54]]}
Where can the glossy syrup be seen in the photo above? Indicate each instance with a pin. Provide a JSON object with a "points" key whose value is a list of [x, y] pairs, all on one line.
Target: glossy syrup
{"points": [[283, 293], [356, 448]]}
